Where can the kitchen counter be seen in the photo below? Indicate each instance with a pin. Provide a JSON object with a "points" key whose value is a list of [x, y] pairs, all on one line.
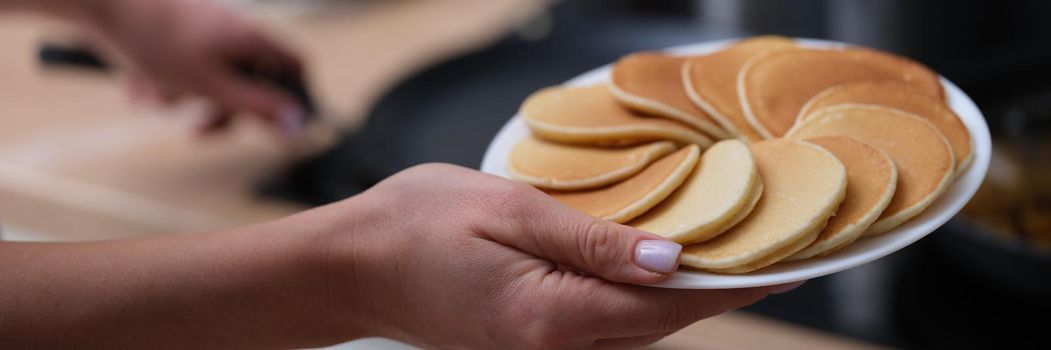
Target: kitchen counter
{"points": [[78, 161]]}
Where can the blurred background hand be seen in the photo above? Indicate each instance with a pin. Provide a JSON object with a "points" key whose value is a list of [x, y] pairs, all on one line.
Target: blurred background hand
{"points": [[177, 49]]}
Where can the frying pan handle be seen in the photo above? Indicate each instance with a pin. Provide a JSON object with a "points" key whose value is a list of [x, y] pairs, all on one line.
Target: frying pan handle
{"points": [[52, 55]]}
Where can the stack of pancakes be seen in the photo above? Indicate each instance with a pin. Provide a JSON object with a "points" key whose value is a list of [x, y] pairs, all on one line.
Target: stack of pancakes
{"points": [[761, 152]]}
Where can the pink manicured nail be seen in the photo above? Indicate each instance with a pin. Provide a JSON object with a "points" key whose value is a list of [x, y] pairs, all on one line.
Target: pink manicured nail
{"points": [[657, 256]]}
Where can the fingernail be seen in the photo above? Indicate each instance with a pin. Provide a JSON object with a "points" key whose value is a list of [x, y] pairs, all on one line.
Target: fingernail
{"points": [[785, 288], [290, 120], [657, 256]]}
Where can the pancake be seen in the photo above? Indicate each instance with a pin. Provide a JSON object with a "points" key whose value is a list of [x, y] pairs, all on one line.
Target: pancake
{"points": [[590, 115], [871, 182], [719, 193], [923, 157], [557, 166], [628, 199], [905, 97], [651, 83], [803, 184], [711, 81], [773, 87]]}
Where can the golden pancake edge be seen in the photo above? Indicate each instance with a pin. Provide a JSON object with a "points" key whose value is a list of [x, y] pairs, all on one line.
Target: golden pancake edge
{"points": [[774, 86], [803, 186], [651, 83], [591, 115], [548, 165], [904, 97], [923, 158], [628, 199], [871, 182], [719, 193], [711, 81]]}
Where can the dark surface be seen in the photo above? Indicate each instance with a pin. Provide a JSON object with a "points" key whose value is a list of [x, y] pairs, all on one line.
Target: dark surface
{"points": [[942, 301], [934, 300]]}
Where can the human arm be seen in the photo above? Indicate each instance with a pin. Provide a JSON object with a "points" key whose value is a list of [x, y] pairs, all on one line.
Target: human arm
{"points": [[437, 256], [257, 286]]}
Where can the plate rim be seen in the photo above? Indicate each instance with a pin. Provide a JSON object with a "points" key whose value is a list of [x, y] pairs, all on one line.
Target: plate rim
{"points": [[961, 191]]}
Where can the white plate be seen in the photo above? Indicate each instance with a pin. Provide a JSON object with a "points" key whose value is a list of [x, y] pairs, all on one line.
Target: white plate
{"points": [[860, 252]]}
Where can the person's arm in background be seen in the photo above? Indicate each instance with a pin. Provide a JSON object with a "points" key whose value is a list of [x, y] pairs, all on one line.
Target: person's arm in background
{"points": [[438, 256], [174, 49]]}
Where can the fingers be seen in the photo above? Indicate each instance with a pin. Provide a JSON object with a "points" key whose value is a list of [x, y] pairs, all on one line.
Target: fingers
{"points": [[234, 92], [230, 94], [785, 288], [624, 310], [198, 62], [253, 46], [596, 309], [539, 225], [262, 53], [629, 342], [142, 89], [694, 305], [666, 310], [288, 62], [217, 120]]}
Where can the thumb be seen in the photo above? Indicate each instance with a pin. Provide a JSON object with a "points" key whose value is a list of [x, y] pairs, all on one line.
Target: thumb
{"points": [[545, 228]]}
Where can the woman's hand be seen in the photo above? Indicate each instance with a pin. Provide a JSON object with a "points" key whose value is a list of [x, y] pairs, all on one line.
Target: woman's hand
{"points": [[437, 255], [190, 48], [447, 257]]}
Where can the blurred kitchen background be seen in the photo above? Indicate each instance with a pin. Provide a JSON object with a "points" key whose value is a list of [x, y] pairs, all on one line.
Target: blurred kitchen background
{"points": [[416, 81]]}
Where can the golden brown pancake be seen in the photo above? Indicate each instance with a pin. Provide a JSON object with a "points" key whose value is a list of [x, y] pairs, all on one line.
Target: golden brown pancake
{"points": [[871, 182], [719, 193], [625, 200], [923, 157], [905, 97], [803, 184], [711, 81], [651, 82], [773, 87], [590, 115], [557, 166]]}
